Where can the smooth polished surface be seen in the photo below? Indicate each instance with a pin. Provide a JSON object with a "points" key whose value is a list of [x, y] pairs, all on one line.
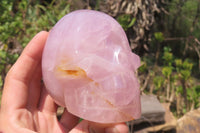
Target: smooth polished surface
{"points": [[88, 67]]}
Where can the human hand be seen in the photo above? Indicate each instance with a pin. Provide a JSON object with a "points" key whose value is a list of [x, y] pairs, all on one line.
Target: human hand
{"points": [[27, 108]]}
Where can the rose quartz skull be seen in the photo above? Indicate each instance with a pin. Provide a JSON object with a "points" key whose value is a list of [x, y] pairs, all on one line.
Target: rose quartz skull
{"points": [[88, 67]]}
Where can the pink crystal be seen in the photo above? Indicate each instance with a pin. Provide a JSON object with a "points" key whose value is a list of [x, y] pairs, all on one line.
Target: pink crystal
{"points": [[88, 67]]}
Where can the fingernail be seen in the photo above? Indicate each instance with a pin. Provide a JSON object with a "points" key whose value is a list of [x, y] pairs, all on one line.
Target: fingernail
{"points": [[37, 35], [111, 130]]}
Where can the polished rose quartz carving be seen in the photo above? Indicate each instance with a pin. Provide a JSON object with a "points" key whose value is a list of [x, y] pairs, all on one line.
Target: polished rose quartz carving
{"points": [[88, 67]]}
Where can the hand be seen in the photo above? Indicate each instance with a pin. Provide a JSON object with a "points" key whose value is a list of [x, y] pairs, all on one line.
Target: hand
{"points": [[27, 108]]}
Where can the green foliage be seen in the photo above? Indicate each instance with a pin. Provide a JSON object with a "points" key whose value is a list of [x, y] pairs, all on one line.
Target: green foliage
{"points": [[179, 89], [183, 68], [6, 58], [126, 21], [193, 95], [176, 73], [29, 19], [1, 82], [7, 20], [185, 74], [143, 68], [167, 71], [168, 60], [80, 120], [159, 36], [168, 57], [21, 20], [187, 65], [183, 22], [158, 82], [178, 63]]}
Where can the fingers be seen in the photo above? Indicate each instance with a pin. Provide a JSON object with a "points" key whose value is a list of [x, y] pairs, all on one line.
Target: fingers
{"points": [[25, 66], [108, 128], [118, 128], [17, 81], [68, 120], [47, 104], [90, 127], [35, 89], [82, 127]]}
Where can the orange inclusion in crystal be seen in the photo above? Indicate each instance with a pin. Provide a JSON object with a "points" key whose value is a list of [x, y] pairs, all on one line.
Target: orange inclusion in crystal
{"points": [[75, 72]]}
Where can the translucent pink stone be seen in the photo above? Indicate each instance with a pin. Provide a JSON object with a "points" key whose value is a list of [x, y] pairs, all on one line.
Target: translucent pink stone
{"points": [[88, 67]]}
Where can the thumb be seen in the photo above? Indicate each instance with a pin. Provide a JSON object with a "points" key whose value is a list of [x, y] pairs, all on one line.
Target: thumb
{"points": [[91, 127]]}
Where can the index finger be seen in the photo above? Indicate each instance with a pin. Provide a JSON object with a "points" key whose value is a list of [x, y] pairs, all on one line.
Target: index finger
{"points": [[15, 92]]}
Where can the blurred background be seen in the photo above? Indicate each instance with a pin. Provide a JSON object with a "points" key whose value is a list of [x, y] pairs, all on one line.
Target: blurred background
{"points": [[165, 33]]}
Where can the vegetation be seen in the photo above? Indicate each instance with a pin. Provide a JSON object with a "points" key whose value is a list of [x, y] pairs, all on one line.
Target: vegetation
{"points": [[166, 37], [20, 21]]}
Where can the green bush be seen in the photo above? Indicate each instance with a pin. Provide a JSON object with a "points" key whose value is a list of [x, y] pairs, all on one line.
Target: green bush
{"points": [[20, 21]]}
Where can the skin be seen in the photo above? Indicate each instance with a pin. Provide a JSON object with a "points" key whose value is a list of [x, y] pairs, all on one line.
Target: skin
{"points": [[27, 108]]}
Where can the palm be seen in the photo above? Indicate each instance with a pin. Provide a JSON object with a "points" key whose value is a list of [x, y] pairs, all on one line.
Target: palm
{"points": [[37, 122], [25, 104]]}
